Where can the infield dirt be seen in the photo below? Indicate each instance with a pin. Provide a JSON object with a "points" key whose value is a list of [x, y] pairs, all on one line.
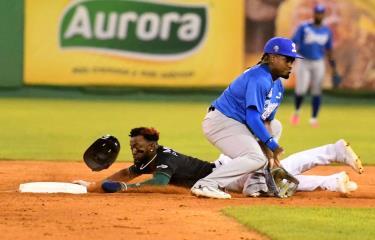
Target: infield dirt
{"points": [[176, 215]]}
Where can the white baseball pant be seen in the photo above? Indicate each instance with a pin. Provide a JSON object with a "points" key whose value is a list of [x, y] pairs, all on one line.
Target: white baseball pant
{"points": [[309, 73], [300, 162], [235, 140]]}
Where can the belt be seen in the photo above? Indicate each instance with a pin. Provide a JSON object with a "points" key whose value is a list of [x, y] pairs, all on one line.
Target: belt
{"points": [[211, 108], [213, 166]]}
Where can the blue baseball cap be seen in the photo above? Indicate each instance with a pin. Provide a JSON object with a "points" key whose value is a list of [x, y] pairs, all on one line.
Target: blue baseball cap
{"points": [[281, 46], [319, 8]]}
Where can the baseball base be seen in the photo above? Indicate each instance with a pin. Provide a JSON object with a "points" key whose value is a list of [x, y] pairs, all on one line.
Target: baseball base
{"points": [[52, 187]]}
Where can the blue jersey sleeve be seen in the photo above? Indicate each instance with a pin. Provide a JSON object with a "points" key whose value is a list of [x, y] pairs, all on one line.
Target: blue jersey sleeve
{"points": [[257, 127], [298, 36]]}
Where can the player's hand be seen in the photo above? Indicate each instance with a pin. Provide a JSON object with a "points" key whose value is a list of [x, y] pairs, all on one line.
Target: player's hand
{"points": [[271, 163], [82, 183], [276, 157], [267, 152], [336, 79]]}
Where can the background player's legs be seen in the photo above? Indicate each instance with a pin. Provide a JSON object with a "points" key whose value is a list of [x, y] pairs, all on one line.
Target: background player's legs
{"points": [[303, 77], [234, 140], [318, 69]]}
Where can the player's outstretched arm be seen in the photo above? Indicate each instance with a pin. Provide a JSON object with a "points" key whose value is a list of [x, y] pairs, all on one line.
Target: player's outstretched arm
{"points": [[159, 179], [124, 175], [90, 186]]}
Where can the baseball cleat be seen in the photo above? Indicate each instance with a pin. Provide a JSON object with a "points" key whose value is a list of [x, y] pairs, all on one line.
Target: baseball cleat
{"points": [[254, 195], [344, 185], [352, 159], [352, 186], [294, 120], [314, 122], [209, 192]]}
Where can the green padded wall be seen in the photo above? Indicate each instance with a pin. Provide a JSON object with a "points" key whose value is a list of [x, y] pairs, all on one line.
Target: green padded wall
{"points": [[11, 43]]}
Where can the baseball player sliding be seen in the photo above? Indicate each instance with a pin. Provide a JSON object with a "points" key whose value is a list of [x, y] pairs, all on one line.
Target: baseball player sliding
{"points": [[171, 167]]}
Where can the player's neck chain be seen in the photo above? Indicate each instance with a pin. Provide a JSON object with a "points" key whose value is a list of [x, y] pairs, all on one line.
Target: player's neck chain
{"points": [[144, 166]]}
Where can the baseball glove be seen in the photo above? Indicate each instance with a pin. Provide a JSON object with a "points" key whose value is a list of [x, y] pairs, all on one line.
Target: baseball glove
{"points": [[102, 153], [336, 80], [280, 183]]}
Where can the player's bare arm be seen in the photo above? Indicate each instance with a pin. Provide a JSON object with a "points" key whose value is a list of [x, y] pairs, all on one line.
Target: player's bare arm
{"points": [[272, 156], [110, 186]]}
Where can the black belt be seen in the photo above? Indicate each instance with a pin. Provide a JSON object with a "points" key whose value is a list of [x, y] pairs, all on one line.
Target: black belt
{"points": [[211, 108], [213, 165]]}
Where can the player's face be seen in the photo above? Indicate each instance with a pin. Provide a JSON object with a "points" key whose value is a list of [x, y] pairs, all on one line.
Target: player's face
{"points": [[318, 18], [141, 148], [282, 66]]}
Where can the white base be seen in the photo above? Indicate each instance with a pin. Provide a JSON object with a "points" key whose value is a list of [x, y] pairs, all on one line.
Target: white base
{"points": [[52, 187]]}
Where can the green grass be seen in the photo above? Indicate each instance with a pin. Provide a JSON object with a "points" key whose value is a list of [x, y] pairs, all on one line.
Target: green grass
{"points": [[58, 128], [289, 223], [351, 122], [63, 129]]}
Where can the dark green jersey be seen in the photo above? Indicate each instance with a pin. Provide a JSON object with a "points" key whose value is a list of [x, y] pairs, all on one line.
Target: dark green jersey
{"points": [[183, 170]]}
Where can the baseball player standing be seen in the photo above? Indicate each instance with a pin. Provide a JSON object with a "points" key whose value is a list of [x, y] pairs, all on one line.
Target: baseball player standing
{"points": [[238, 118], [313, 40]]}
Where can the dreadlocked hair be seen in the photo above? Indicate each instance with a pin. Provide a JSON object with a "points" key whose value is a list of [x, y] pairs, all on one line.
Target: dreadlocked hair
{"points": [[263, 58], [150, 134]]}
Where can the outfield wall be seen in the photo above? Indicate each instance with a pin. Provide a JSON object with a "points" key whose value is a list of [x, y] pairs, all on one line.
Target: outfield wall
{"points": [[168, 43], [133, 43], [11, 43]]}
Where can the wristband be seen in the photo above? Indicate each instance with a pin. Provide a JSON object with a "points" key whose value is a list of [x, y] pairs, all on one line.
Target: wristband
{"points": [[272, 144], [332, 63], [112, 187]]}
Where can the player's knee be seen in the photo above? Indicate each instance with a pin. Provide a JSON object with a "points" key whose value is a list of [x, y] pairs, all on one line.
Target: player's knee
{"points": [[276, 128], [255, 162], [316, 91], [111, 187]]}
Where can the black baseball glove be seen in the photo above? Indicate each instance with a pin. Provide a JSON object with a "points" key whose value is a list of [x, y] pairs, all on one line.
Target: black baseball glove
{"points": [[102, 153], [336, 80]]}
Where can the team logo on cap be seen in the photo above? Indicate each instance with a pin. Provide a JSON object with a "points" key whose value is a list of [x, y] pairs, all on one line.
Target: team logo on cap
{"points": [[294, 47], [276, 48]]}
